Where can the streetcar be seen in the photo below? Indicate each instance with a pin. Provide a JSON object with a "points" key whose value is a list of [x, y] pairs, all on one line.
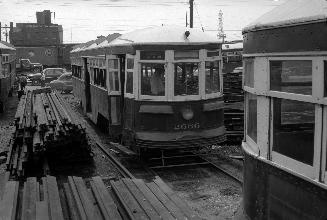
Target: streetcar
{"points": [[153, 88], [7, 72], [285, 83]]}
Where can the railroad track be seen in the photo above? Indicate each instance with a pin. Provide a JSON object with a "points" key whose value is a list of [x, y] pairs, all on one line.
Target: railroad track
{"points": [[120, 167], [193, 160]]}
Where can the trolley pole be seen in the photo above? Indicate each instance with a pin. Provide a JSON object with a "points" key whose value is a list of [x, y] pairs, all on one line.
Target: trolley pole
{"points": [[191, 13]]}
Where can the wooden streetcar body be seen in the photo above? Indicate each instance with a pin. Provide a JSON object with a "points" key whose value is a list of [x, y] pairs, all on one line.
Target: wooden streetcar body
{"points": [[126, 84], [285, 64], [7, 71]]}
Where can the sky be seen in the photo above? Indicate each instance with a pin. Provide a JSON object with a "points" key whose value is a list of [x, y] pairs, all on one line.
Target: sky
{"points": [[84, 20]]}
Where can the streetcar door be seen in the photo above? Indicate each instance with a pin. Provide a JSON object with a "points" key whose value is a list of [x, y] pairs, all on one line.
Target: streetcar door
{"points": [[114, 89], [87, 86]]}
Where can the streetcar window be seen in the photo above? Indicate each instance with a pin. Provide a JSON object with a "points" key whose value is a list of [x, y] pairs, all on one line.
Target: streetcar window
{"points": [[293, 76], [113, 63], [130, 63], [293, 129], [212, 77], [114, 80], [187, 54], [100, 77], [251, 123], [325, 78], [129, 82], [152, 79], [152, 55], [186, 79], [249, 72], [213, 53]]}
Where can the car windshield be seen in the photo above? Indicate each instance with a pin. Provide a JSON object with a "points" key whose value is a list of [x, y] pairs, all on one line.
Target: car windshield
{"points": [[53, 72], [65, 77]]}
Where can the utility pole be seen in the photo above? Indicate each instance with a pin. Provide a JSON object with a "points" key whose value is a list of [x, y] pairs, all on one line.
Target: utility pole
{"points": [[0, 31], [6, 33], [191, 13], [186, 21], [221, 34]]}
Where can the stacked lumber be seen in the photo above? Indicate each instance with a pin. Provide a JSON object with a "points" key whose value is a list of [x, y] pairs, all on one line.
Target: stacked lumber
{"points": [[92, 200], [234, 104], [45, 128]]}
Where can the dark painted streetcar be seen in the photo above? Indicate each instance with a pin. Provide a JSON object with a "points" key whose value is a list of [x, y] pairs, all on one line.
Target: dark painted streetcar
{"points": [[285, 81], [155, 88]]}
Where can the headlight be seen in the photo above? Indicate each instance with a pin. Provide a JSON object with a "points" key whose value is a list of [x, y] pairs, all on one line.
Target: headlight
{"points": [[187, 113]]}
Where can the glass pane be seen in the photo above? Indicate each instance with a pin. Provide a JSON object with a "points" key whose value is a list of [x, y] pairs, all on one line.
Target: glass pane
{"points": [[130, 63], [186, 79], [114, 81], [212, 77], [188, 54], [152, 79], [113, 64], [293, 128], [152, 55], [116, 77], [212, 53], [325, 78], [252, 116], [249, 72], [129, 82], [294, 76]]}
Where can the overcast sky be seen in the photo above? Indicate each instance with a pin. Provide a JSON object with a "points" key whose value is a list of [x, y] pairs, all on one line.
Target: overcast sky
{"points": [[83, 20]]}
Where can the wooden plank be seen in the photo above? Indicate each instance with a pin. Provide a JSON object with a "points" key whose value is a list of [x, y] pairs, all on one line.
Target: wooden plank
{"points": [[95, 204], [104, 198], [170, 205], [86, 201], [42, 212], [54, 200], [97, 197], [141, 199], [81, 212], [73, 212], [131, 206], [4, 177], [29, 199], [178, 201], [8, 205], [158, 206]]}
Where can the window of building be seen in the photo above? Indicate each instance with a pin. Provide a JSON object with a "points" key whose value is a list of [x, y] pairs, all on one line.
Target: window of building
{"points": [[186, 80], [187, 54], [293, 76], [212, 77], [249, 72], [293, 129], [153, 79], [152, 55], [251, 129], [213, 53]]}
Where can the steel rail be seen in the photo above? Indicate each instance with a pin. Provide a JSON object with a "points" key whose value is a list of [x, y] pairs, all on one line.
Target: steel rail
{"points": [[122, 170], [223, 170]]}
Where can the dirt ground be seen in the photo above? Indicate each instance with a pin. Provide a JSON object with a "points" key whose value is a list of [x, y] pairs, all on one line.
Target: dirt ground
{"points": [[210, 193]]}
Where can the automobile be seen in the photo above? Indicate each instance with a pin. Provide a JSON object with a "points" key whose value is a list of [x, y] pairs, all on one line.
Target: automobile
{"points": [[34, 78], [238, 69], [52, 74], [64, 83]]}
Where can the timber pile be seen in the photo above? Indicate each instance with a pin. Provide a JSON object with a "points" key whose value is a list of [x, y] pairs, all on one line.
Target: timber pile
{"points": [[76, 199], [45, 130], [234, 104]]}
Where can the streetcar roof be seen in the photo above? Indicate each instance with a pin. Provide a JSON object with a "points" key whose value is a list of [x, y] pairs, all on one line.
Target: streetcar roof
{"points": [[161, 35], [292, 12], [6, 46]]}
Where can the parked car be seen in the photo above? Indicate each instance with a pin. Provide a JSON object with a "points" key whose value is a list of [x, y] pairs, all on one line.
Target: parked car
{"points": [[238, 70], [64, 83], [34, 78], [51, 74]]}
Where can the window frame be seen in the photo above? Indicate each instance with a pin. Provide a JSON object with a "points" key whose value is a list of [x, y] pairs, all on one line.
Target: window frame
{"points": [[152, 97], [253, 144], [295, 165], [135, 78], [109, 70]]}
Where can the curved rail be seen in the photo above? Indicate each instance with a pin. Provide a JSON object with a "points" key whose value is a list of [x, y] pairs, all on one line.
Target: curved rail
{"points": [[122, 170]]}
